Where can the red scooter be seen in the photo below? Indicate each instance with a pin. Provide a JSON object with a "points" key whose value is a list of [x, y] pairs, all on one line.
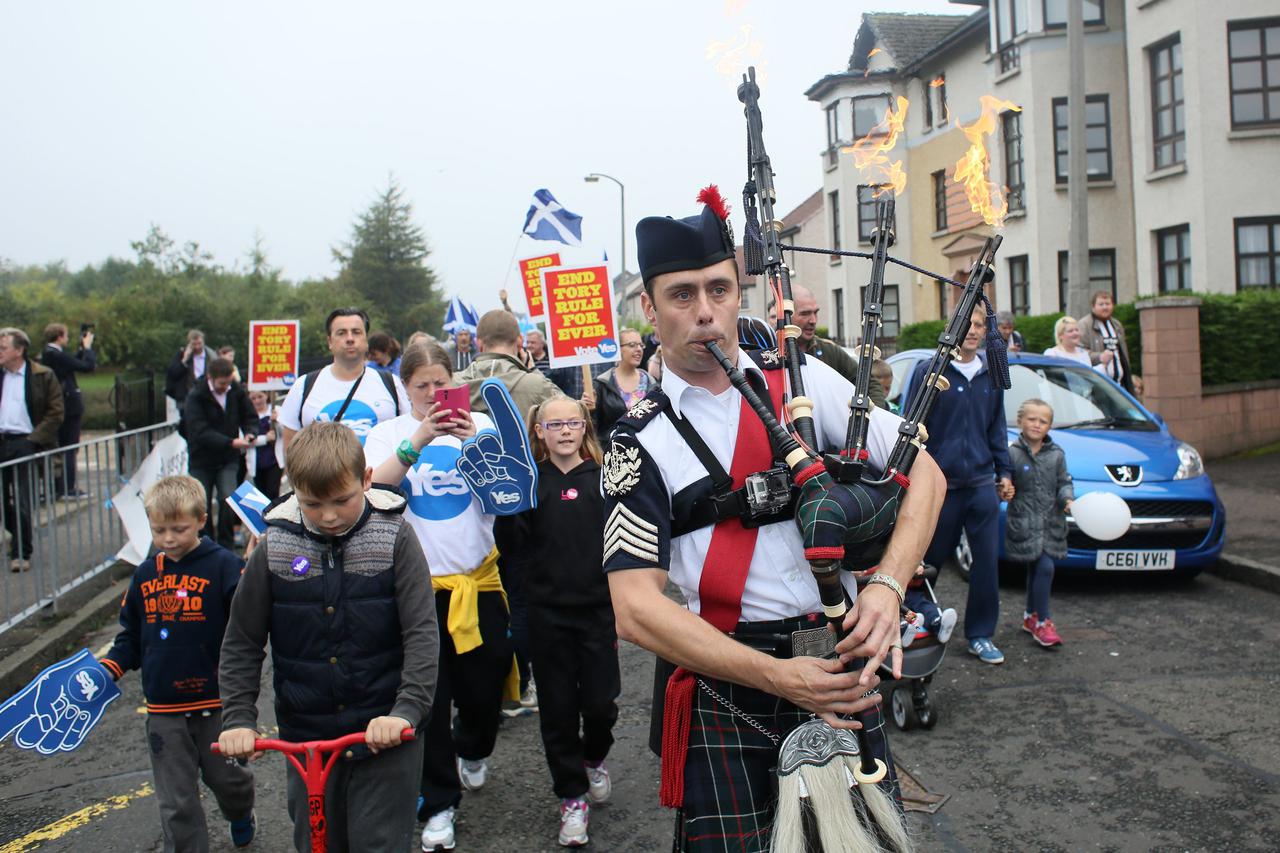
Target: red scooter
{"points": [[314, 769]]}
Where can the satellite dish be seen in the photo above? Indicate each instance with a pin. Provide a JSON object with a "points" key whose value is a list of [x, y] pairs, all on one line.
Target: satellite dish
{"points": [[1101, 515]]}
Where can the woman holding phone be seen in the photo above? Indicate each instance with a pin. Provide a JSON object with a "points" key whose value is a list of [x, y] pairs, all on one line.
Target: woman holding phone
{"points": [[417, 452]]}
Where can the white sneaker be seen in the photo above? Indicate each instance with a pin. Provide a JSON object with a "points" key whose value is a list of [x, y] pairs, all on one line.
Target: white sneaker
{"points": [[598, 785], [472, 773], [948, 625], [529, 698], [573, 822], [438, 833]]}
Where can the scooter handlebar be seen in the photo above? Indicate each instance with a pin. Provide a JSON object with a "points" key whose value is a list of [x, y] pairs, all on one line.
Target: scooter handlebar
{"points": [[263, 744]]}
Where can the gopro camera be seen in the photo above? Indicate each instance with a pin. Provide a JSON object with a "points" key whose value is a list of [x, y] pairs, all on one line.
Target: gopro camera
{"points": [[768, 492]]}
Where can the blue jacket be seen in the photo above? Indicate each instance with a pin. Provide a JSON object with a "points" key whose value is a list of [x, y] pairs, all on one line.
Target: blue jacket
{"points": [[967, 436], [171, 624]]}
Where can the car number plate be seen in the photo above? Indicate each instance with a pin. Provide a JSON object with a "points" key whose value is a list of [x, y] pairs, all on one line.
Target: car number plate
{"points": [[1136, 561]]}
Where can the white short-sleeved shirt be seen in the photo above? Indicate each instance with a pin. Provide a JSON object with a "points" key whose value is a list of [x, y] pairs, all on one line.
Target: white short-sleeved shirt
{"points": [[370, 406], [779, 583], [454, 532]]}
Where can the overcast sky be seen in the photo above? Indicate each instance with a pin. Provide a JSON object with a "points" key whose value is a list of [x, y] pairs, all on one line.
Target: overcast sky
{"points": [[214, 121]]}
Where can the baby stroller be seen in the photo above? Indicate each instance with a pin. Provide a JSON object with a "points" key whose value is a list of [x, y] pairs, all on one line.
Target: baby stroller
{"points": [[909, 703]]}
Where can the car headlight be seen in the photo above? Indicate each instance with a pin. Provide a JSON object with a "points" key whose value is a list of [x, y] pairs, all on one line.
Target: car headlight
{"points": [[1189, 462]]}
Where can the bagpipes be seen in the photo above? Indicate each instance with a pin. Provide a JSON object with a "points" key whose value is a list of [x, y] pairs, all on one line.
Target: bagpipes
{"points": [[845, 514]]}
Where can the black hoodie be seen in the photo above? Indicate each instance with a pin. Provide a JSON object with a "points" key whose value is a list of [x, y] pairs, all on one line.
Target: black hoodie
{"points": [[559, 546], [172, 620]]}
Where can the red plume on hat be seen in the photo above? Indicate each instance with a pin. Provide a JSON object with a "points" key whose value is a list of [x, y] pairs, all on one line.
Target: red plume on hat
{"points": [[710, 196]]}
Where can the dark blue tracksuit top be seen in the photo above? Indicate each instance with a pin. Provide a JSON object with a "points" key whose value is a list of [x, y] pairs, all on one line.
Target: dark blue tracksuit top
{"points": [[967, 436]]}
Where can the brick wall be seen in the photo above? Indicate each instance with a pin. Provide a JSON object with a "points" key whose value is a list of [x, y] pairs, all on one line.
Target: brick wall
{"points": [[1218, 421]]}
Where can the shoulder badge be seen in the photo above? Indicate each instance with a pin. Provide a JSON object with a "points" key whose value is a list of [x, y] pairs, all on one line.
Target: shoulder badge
{"points": [[765, 359], [642, 409], [621, 469]]}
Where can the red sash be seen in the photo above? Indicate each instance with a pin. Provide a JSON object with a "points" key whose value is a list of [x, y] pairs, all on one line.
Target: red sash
{"points": [[724, 576]]}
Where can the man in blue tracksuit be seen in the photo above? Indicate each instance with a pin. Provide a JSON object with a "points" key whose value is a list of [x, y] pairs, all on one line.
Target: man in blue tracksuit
{"points": [[967, 438]]}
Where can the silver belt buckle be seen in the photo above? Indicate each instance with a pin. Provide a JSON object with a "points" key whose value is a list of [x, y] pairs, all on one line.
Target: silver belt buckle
{"points": [[813, 642]]}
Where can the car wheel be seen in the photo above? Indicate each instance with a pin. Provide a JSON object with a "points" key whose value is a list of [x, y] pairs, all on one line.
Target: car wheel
{"points": [[962, 558]]}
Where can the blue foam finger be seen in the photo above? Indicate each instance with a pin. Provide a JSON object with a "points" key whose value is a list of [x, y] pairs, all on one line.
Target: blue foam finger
{"points": [[498, 464], [61, 705]]}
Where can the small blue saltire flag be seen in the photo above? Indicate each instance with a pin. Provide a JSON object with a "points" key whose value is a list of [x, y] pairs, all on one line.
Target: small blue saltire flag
{"points": [[250, 504], [526, 325], [547, 220], [460, 316]]}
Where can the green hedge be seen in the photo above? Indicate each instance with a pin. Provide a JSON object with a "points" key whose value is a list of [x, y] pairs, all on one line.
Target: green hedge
{"points": [[1036, 330], [1237, 336]]}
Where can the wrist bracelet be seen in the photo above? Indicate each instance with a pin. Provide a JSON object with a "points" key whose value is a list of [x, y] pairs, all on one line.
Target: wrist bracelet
{"points": [[889, 581], [406, 454]]}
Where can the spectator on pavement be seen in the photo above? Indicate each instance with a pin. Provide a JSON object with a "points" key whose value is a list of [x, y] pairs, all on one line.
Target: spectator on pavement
{"points": [[30, 414], [462, 349], [65, 366], [1067, 333], [221, 426], [827, 351], [1103, 336], [968, 441], [187, 366], [384, 353], [622, 386], [345, 390], [1012, 337]]}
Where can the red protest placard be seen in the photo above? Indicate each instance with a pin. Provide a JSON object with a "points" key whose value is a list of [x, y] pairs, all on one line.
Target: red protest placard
{"points": [[581, 328], [531, 274], [273, 354]]}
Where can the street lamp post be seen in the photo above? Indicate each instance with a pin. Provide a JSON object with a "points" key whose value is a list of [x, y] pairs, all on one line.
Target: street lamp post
{"points": [[622, 203]]}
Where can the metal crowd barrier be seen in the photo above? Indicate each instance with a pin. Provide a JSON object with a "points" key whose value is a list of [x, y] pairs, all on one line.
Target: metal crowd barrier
{"points": [[69, 540]]}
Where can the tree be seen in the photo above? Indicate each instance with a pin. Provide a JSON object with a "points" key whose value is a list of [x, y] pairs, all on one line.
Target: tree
{"points": [[385, 264]]}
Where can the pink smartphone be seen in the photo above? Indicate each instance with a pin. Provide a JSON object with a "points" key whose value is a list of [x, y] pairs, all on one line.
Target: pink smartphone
{"points": [[454, 399]]}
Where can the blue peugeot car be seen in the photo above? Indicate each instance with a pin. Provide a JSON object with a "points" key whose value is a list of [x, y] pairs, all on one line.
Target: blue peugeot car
{"points": [[1113, 444]]}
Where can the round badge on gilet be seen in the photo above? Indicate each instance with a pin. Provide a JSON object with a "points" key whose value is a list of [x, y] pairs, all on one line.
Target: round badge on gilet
{"points": [[435, 488], [358, 417]]}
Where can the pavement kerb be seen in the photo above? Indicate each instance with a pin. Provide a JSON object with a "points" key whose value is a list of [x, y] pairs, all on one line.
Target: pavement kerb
{"points": [[1249, 572], [19, 668]]}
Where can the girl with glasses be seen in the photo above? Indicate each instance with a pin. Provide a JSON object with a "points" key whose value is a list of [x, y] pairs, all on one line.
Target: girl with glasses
{"points": [[621, 387], [559, 549]]}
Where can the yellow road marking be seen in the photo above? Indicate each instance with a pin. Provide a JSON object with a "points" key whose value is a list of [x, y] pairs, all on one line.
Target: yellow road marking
{"points": [[75, 820], [106, 647]]}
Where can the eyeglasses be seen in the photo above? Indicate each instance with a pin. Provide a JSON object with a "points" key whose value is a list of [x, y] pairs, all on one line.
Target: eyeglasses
{"points": [[555, 426], [633, 345]]}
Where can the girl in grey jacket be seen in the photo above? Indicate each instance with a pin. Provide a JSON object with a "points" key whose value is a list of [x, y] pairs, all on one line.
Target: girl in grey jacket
{"points": [[1037, 526]]}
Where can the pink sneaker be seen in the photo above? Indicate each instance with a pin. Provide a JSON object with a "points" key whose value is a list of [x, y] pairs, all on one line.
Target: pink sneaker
{"points": [[1029, 623], [1046, 635]]}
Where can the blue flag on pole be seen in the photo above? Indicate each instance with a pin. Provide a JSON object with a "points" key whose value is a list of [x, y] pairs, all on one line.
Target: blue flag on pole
{"points": [[547, 220], [460, 316], [250, 504], [60, 706]]}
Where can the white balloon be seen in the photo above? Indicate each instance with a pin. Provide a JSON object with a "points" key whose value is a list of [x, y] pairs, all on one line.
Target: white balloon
{"points": [[1101, 515]]}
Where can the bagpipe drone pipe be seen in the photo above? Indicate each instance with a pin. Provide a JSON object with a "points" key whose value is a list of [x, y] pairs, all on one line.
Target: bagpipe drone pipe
{"points": [[845, 510]]}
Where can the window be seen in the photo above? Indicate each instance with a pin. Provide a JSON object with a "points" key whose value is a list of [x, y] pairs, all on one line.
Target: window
{"points": [[1102, 274], [745, 304], [1019, 288], [1254, 51], [868, 112], [942, 299], [1055, 13], [940, 201], [1169, 124], [837, 297], [928, 106], [1011, 20], [1011, 124], [1258, 252], [866, 213], [1097, 138], [1173, 258], [833, 125], [833, 202], [939, 85], [890, 315]]}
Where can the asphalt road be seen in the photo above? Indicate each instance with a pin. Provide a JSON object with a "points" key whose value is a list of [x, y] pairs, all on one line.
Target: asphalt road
{"points": [[1154, 727]]}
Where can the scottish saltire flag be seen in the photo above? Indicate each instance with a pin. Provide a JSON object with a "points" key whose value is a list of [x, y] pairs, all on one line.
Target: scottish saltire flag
{"points": [[526, 325], [460, 316], [547, 220], [60, 706], [250, 504]]}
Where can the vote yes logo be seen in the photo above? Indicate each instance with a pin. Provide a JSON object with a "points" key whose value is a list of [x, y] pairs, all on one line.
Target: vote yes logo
{"points": [[435, 488], [607, 347], [358, 417]]}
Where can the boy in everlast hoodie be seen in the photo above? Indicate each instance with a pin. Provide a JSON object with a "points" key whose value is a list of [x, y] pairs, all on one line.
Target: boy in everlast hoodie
{"points": [[340, 587], [172, 620], [559, 548]]}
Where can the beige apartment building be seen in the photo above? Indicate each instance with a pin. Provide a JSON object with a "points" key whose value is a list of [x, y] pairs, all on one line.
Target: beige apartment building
{"points": [[1183, 159]]}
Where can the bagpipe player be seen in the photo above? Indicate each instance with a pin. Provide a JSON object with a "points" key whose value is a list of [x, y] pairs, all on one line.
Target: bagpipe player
{"points": [[693, 495]]}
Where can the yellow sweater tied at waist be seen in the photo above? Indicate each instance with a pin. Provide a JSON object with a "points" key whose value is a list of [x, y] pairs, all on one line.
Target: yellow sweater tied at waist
{"points": [[464, 611]]}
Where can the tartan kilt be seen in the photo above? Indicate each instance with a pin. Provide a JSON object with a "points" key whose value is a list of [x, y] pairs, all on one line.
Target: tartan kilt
{"points": [[730, 783]]}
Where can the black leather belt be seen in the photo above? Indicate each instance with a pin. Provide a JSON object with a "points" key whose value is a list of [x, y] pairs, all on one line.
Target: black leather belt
{"points": [[802, 636], [14, 436]]}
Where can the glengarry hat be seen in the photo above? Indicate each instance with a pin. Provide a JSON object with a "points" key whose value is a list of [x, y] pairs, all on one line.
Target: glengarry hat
{"points": [[673, 245]]}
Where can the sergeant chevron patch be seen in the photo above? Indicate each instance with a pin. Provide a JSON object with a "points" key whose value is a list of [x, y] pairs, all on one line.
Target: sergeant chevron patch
{"points": [[626, 531]]}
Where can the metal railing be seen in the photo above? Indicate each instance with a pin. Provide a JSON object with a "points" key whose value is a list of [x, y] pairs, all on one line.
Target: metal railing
{"points": [[64, 540]]}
